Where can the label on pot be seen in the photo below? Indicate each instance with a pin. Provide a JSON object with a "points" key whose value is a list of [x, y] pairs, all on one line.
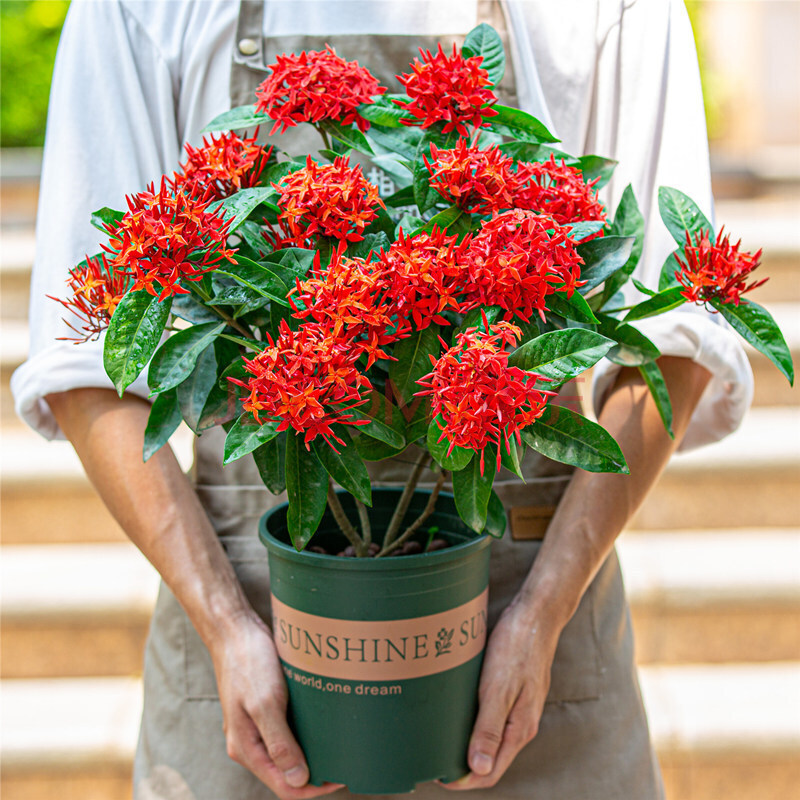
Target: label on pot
{"points": [[380, 650]]}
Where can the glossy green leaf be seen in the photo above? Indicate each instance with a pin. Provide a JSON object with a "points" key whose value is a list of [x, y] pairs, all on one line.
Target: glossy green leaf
{"points": [[628, 221], [261, 279], [238, 207], [658, 304], [580, 230], [509, 458], [444, 219], [496, 519], [164, 419], [757, 326], [484, 41], [520, 125], [413, 361], [402, 141], [270, 460], [188, 307], [654, 379], [402, 197], [106, 216], [475, 318], [295, 260], [568, 437], [666, 278], [236, 118], [425, 196], [373, 450], [307, 488], [417, 425], [631, 347], [277, 172], [346, 467], [471, 490], [382, 111], [438, 447], [602, 258], [193, 392], [561, 355], [176, 358], [642, 288], [593, 167], [349, 136], [680, 214], [371, 243], [133, 336], [574, 307], [246, 435], [386, 421]]}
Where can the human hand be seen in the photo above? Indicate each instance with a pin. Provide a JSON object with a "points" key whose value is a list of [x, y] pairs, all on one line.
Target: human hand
{"points": [[254, 699], [514, 683]]}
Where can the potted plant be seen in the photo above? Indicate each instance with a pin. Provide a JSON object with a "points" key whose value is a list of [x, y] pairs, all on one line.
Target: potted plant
{"points": [[326, 328]]}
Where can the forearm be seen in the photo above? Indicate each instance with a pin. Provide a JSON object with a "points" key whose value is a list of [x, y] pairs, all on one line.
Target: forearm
{"points": [[597, 506], [154, 503]]}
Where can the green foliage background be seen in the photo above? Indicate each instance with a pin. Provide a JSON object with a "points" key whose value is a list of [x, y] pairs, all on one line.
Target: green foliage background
{"points": [[29, 31]]}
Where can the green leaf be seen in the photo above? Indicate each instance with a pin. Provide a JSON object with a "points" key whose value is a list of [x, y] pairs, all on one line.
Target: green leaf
{"points": [[510, 459], [580, 230], [402, 141], [188, 307], [628, 221], [413, 361], [484, 41], [632, 347], [194, 391], [345, 467], [425, 196], [258, 277], [574, 307], [307, 488], [372, 242], [496, 519], [654, 379], [386, 421], [561, 355], [474, 319], [471, 490], [382, 111], [164, 419], [296, 260], [373, 450], [569, 437], [657, 304], [106, 216], [133, 336], [417, 426], [642, 288], [680, 214], [175, 359], [402, 197], [592, 167], [348, 136], [277, 172], [408, 222], [666, 278], [438, 447], [246, 435], [444, 219], [239, 206], [602, 258], [757, 326], [520, 125], [239, 117], [270, 460]]}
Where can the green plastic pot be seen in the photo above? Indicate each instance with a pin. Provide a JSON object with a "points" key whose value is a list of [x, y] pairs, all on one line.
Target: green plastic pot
{"points": [[382, 656]]}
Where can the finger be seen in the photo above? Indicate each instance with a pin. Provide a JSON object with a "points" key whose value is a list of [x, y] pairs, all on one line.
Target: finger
{"points": [[487, 735]]}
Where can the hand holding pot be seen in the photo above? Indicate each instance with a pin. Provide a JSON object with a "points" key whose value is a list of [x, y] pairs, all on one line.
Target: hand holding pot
{"points": [[253, 696], [514, 684]]}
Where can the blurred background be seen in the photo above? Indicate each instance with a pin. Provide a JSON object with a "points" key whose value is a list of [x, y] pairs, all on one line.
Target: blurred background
{"points": [[712, 561]]}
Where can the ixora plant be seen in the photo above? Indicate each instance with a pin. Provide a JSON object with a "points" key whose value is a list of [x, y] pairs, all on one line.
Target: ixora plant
{"points": [[324, 327]]}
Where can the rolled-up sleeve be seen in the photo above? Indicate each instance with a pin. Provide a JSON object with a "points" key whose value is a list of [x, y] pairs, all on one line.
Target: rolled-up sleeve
{"points": [[648, 114], [111, 128]]}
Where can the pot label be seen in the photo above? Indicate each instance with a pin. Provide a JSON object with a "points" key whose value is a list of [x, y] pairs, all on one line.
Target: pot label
{"points": [[380, 650]]}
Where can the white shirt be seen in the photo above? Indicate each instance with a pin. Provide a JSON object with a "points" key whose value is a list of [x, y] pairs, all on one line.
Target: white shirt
{"points": [[135, 79]]}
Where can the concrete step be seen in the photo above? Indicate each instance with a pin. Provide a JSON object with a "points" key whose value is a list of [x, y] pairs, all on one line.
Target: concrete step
{"points": [[721, 731], [696, 597]]}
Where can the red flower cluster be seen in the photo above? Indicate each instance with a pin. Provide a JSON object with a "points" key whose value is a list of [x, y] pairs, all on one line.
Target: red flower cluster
{"points": [[451, 89], [165, 238], [222, 166], [315, 86], [561, 192], [325, 200], [351, 299], [479, 181], [516, 260], [96, 291], [478, 396], [715, 271], [307, 380]]}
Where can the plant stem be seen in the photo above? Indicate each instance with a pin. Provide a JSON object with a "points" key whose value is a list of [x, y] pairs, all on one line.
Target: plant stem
{"points": [[405, 499], [345, 525], [366, 528], [324, 136], [417, 523], [243, 329]]}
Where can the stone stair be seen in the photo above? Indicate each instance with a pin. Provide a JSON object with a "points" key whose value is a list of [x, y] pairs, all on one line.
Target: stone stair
{"points": [[712, 566]]}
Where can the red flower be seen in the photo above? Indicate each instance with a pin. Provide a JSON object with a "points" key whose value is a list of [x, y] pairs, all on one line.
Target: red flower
{"points": [[315, 86], [451, 89], [479, 181], [307, 380], [479, 397], [96, 292], [715, 271], [516, 260], [325, 200], [424, 274], [561, 192], [165, 238], [222, 166]]}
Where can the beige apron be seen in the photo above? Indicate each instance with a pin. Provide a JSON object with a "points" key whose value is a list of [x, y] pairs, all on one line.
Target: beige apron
{"points": [[593, 742]]}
